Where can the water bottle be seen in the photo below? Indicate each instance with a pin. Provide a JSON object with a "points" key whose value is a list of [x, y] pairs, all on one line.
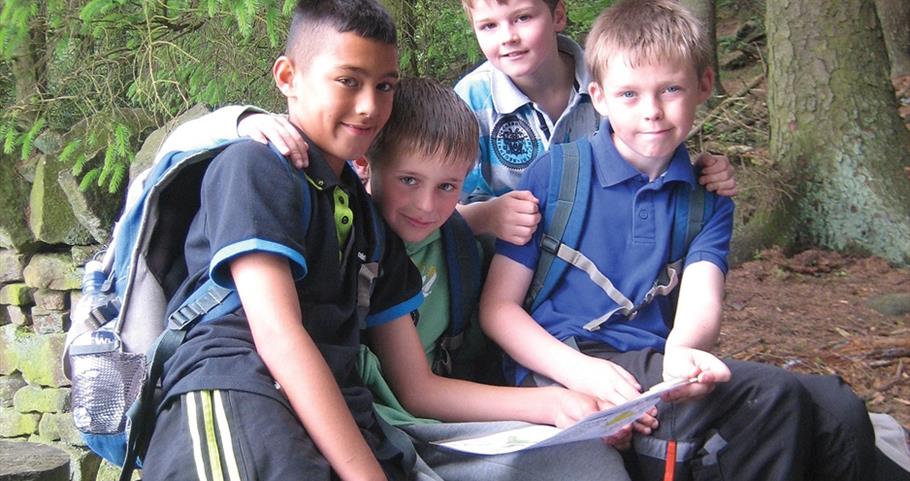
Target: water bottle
{"points": [[105, 380], [92, 308]]}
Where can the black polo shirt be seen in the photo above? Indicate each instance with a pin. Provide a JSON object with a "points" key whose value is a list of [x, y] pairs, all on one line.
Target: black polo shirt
{"points": [[253, 201]]}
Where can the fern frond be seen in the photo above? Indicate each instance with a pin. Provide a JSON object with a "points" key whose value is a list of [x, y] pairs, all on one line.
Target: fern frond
{"points": [[10, 141], [29, 138], [69, 150], [121, 142], [79, 164], [117, 177], [89, 179], [288, 7]]}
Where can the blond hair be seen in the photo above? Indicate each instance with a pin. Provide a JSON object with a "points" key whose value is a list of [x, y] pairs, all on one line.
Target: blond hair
{"points": [[469, 4], [428, 120], [646, 31]]}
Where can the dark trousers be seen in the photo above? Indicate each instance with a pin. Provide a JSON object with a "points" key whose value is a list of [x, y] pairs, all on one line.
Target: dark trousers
{"points": [[221, 434], [765, 424]]}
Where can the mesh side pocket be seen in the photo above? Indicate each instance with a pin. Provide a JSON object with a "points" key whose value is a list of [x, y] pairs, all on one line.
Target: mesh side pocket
{"points": [[105, 384]]}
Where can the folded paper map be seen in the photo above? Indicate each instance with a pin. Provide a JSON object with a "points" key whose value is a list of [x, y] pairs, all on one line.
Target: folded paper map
{"points": [[599, 425]]}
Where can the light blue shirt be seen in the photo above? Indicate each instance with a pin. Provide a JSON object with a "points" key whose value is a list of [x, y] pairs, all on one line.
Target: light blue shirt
{"points": [[514, 130]]}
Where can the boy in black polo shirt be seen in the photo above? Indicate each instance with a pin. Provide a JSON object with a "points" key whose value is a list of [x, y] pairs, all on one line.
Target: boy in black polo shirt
{"points": [[271, 391]]}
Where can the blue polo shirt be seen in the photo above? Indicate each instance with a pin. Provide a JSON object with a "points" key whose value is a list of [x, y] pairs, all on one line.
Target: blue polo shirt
{"points": [[627, 235]]}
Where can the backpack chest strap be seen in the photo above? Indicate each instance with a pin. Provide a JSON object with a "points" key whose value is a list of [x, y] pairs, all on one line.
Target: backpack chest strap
{"points": [[665, 283]]}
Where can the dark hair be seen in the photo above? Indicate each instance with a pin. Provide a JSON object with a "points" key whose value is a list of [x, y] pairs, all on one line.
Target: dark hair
{"points": [[367, 18], [428, 119]]}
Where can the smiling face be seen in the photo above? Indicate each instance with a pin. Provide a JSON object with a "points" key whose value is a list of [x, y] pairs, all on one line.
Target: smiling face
{"points": [[517, 36], [417, 193], [651, 107], [340, 94]]}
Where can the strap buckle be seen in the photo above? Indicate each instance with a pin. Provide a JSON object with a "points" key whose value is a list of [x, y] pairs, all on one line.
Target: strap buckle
{"points": [[549, 244]]}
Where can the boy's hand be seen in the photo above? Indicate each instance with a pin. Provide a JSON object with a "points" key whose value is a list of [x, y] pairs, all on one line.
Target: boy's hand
{"points": [[515, 216], [644, 425], [278, 130], [688, 363], [606, 381], [716, 174], [572, 407]]}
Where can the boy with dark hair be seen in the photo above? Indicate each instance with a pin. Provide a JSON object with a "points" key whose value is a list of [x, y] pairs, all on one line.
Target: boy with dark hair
{"points": [[271, 392], [744, 421], [414, 366], [530, 95]]}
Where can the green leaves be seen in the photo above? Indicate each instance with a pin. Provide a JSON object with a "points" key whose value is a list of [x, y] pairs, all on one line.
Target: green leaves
{"points": [[102, 73]]}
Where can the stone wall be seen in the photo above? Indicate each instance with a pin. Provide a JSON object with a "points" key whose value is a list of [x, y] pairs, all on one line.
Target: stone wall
{"points": [[49, 229]]}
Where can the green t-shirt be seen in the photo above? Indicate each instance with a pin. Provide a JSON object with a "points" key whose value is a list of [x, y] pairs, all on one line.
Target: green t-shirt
{"points": [[433, 319]]}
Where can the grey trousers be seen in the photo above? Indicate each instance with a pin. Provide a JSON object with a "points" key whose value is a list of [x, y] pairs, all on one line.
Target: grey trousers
{"points": [[584, 461]]}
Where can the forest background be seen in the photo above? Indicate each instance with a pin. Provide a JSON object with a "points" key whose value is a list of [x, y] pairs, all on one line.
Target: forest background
{"points": [[808, 108]]}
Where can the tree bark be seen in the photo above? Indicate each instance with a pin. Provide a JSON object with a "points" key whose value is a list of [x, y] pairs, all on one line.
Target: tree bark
{"points": [[704, 11], [835, 131], [406, 21], [894, 16]]}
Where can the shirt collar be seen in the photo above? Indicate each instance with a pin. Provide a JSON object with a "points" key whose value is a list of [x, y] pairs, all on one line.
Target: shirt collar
{"points": [[319, 172], [507, 97], [612, 169]]}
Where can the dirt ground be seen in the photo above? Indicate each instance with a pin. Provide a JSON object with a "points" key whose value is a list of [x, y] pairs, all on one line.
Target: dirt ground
{"points": [[814, 313]]}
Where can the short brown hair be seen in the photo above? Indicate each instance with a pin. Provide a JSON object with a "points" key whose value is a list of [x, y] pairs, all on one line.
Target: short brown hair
{"points": [[646, 31], [427, 119], [469, 4]]}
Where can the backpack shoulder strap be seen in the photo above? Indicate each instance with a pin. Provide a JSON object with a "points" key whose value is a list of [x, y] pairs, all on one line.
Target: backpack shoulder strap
{"points": [[694, 206], [377, 227], [463, 264], [567, 201]]}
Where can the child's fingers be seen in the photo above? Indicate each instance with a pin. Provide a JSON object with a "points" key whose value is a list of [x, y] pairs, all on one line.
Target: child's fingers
{"points": [[721, 186], [294, 143], [523, 195], [707, 161], [622, 439]]}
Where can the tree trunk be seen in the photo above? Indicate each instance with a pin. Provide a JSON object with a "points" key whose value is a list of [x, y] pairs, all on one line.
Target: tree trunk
{"points": [[894, 16], [28, 69], [406, 23], [704, 11], [835, 130]]}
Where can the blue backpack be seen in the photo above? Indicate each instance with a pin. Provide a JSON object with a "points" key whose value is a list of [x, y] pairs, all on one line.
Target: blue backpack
{"points": [[115, 357], [568, 194], [465, 266]]}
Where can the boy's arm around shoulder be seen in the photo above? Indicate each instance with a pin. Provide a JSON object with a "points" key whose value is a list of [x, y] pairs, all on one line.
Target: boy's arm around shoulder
{"points": [[205, 131], [269, 298]]}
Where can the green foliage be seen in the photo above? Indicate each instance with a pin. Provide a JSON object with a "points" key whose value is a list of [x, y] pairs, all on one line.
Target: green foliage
{"points": [[103, 72], [582, 14], [434, 38]]}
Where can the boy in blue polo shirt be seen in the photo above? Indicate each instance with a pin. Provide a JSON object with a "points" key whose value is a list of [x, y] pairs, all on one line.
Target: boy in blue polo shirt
{"points": [[271, 391], [531, 93], [744, 421]]}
